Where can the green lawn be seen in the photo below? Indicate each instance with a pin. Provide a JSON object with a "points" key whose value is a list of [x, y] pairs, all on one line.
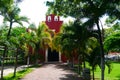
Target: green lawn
{"points": [[19, 74], [114, 75]]}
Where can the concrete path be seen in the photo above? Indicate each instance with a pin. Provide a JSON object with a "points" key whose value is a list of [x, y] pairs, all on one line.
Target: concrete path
{"points": [[52, 72], [10, 69]]}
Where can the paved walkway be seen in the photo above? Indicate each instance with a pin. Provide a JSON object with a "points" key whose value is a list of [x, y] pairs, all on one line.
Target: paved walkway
{"points": [[10, 69], [52, 72]]}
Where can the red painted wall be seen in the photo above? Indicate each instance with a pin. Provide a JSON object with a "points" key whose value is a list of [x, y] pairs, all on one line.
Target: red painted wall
{"points": [[53, 22]]}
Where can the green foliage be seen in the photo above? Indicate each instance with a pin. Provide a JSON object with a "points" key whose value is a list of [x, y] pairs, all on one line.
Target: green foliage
{"points": [[5, 5], [16, 36], [84, 8], [12, 15], [111, 43]]}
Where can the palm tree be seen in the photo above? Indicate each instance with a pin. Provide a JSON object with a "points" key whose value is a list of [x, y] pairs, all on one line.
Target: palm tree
{"points": [[16, 44], [44, 39], [40, 39], [73, 37]]}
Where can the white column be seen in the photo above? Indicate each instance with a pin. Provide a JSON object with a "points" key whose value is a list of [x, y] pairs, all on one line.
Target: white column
{"points": [[46, 55], [60, 56]]}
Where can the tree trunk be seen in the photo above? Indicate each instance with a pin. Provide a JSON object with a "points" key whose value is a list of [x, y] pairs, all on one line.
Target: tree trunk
{"points": [[79, 64], [93, 73], [5, 50], [36, 58], [16, 60], [28, 59], [84, 61], [8, 35], [2, 62], [102, 51], [72, 62]]}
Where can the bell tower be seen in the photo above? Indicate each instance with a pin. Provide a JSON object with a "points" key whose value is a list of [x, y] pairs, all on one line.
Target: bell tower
{"points": [[53, 22]]}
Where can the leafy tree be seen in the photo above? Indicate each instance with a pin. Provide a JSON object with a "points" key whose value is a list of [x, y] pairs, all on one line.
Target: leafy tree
{"points": [[12, 16], [112, 37], [111, 42]]}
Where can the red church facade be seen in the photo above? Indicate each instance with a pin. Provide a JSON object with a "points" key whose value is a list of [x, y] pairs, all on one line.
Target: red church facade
{"points": [[53, 22]]}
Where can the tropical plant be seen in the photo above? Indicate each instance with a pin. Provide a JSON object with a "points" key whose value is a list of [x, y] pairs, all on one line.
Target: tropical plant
{"points": [[111, 43], [72, 41], [44, 39], [16, 43], [40, 39]]}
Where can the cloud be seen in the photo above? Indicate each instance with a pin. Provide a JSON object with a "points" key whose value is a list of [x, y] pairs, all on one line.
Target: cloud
{"points": [[34, 9]]}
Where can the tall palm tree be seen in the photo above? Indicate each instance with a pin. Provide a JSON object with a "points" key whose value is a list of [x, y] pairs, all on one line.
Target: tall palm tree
{"points": [[41, 39], [73, 37], [16, 43], [44, 38]]}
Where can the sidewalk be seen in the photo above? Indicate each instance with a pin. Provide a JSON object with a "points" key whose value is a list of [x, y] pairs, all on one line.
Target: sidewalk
{"points": [[10, 69], [54, 71]]}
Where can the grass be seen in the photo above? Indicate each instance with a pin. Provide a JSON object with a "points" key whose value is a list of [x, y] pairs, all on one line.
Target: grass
{"points": [[19, 74], [114, 75]]}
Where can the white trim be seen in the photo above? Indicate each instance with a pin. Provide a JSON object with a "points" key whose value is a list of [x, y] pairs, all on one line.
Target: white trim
{"points": [[49, 19], [46, 55], [60, 56], [56, 18]]}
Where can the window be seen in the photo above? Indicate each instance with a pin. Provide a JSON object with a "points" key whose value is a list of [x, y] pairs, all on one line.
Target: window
{"points": [[49, 18], [55, 18]]}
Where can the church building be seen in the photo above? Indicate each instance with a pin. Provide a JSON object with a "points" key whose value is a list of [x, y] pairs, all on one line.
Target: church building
{"points": [[53, 22]]}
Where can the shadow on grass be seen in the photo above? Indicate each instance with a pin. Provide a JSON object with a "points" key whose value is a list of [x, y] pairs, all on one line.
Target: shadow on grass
{"points": [[118, 77], [23, 71], [62, 66], [35, 66], [70, 77]]}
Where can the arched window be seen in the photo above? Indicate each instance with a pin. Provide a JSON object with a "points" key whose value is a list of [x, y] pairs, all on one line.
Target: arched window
{"points": [[49, 18], [56, 18]]}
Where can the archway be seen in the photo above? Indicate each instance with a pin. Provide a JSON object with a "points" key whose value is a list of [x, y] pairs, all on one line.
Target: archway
{"points": [[53, 55]]}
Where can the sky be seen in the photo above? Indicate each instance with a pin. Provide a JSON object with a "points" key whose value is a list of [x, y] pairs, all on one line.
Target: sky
{"points": [[35, 10]]}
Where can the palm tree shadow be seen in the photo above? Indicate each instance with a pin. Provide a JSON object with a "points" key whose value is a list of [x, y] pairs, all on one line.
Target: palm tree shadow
{"points": [[70, 77], [62, 66], [118, 77]]}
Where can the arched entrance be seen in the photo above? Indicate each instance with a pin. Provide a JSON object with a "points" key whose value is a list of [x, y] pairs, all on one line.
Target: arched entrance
{"points": [[53, 55]]}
